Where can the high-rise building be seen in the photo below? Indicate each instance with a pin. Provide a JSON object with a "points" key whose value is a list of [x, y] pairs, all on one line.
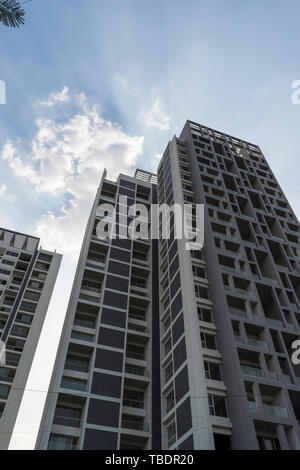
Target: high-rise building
{"points": [[169, 348], [27, 277]]}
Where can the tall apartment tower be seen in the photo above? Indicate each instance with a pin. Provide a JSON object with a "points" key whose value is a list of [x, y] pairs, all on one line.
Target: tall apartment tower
{"points": [[106, 380], [167, 348], [27, 278]]}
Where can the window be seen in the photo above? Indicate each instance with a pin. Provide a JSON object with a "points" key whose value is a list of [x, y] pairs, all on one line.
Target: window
{"points": [[15, 344], [57, 442], [212, 370], [168, 372], [208, 341], [84, 320], [24, 318], [4, 391], [217, 405], [8, 262], [12, 359], [79, 363], [205, 315], [268, 443], [20, 331], [42, 266], [135, 352], [28, 307], [133, 398], [65, 416], [5, 272], [82, 336], [12, 253], [44, 257], [7, 375], [196, 254], [73, 384], [171, 433], [32, 296], [170, 400], [201, 292], [168, 346], [199, 272]]}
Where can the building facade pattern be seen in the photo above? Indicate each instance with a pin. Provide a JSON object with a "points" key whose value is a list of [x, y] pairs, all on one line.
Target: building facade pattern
{"points": [[27, 278], [166, 348]]}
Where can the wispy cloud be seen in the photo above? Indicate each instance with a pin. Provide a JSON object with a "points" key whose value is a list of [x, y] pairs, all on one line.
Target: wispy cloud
{"points": [[65, 159], [3, 189], [123, 81], [56, 97], [157, 118]]}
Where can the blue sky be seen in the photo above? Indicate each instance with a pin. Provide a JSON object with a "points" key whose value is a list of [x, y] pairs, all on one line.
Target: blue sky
{"points": [[94, 84]]}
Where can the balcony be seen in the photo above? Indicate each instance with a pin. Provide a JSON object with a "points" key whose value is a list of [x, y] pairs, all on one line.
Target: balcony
{"points": [[135, 425], [253, 371], [258, 343], [286, 378], [270, 410], [135, 355], [239, 313], [133, 403], [274, 322], [66, 421], [142, 372]]}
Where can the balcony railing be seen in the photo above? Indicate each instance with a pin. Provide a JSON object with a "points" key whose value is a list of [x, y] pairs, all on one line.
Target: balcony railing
{"points": [[253, 371], [273, 375], [137, 371], [77, 366], [239, 313], [287, 378], [270, 410], [136, 425], [171, 440], [133, 403], [64, 421], [133, 355], [274, 322], [258, 343]]}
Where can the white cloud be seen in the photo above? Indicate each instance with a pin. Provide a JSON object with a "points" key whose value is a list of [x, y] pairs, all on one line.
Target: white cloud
{"points": [[66, 159], [157, 118], [60, 97], [158, 155], [123, 81], [3, 189]]}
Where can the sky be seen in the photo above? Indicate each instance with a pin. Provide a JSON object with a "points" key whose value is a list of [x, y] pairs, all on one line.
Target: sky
{"points": [[92, 84]]}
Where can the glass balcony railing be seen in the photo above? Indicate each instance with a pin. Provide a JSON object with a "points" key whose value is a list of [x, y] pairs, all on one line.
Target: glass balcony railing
{"points": [[239, 313], [66, 421], [258, 343], [137, 371], [136, 425], [238, 339], [270, 410], [274, 322], [287, 378], [133, 403], [273, 375], [134, 355], [253, 371]]}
